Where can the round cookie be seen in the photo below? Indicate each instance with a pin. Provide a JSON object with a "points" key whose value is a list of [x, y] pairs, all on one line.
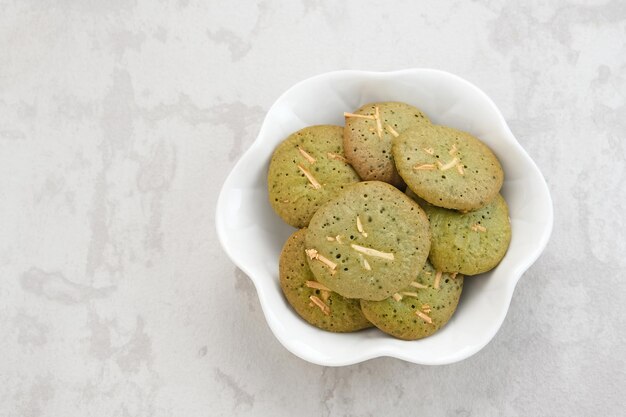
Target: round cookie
{"points": [[367, 139], [470, 243], [420, 309], [308, 169], [368, 242], [448, 167], [311, 300]]}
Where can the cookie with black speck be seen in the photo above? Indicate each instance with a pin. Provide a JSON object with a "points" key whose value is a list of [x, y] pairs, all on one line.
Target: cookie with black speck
{"points": [[308, 169], [470, 243], [368, 242], [421, 308], [368, 134], [448, 167], [312, 301]]}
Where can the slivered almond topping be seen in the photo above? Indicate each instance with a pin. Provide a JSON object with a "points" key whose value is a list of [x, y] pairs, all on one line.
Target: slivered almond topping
{"points": [[325, 309], [325, 295], [361, 116], [424, 317], [417, 285], [314, 254], [397, 297], [372, 252], [339, 238], [336, 157], [453, 275], [453, 150], [426, 308], [379, 126], [478, 228], [392, 131], [330, 238], [437, 280], [327, 262], [306, 155], [310, 177], [447, 166], [460, 169], [425, 167], [364, 263], [316, 285], [409, 294], [285, 201], [429, 151], [428, 273], [359, 226]]}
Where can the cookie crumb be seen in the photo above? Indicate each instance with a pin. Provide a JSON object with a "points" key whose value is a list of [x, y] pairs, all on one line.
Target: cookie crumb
{"points": [[426, 308], [361, 116], [316, 285], [397, 297], [437, 280], [373, 252], [453, 275], [453, 150], [429, 151], [424, 317], [306, 155], [325, 309], [310, 177], [339, 238], [336, 157], [392, 131], [417, 285]]}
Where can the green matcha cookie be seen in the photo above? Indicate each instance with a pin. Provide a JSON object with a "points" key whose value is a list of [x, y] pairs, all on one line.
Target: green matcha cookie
{"points": [[308, 169], [448, 167], [368, 134], [420, 309], [470, 243], [368, 242], [313, 301]]}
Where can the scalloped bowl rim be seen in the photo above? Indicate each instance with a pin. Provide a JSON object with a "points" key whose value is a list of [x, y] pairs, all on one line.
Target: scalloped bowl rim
{"points": [[232, 198]]}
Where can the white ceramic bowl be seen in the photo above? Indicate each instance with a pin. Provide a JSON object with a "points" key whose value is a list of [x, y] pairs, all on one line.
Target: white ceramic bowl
{"points": [[252, 235]]}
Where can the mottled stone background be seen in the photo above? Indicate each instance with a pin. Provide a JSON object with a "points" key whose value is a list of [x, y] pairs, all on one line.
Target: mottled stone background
{"points": [[119, 121]]}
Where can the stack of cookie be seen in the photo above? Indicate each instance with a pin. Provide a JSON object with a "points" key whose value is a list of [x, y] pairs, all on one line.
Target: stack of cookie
{"points": [[392, 211]]}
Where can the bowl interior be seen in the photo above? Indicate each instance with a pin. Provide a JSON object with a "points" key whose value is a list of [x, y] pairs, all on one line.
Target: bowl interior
{"points": [[253, 235]]}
